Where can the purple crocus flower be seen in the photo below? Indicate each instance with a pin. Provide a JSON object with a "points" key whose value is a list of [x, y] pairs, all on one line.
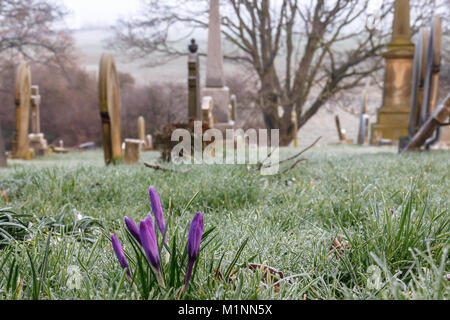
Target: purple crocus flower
{"points": [[133, 228], [193, 244], [148, 242], [119, 253], [155, 203]]}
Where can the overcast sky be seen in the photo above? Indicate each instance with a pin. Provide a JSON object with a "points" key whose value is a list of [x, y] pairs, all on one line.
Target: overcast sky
{"points": [[86, 13]]}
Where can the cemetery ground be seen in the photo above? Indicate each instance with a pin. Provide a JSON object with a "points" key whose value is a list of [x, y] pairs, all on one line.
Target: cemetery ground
{"points": [[385, 218]]}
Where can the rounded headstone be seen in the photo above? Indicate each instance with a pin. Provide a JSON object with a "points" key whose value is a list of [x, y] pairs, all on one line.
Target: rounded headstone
{"points": [[110, 105], [22, 97]]}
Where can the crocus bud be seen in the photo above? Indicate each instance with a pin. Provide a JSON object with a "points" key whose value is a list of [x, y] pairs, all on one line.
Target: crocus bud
{"points": [[119, 253], [133, 228], [148, 242], [155, 203], [193, 245]]}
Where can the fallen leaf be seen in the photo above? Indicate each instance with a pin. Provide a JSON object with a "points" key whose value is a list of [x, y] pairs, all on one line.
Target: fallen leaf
{"points": [[3, 193]]}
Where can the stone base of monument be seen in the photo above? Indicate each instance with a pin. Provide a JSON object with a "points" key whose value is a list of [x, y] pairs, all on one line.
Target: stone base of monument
{"points": [[38, 144], [223, 126], [390, 126], [133, 149], [221, 98]]}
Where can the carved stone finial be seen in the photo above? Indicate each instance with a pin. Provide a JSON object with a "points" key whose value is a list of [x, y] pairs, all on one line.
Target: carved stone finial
{"points": [[193, 47]]}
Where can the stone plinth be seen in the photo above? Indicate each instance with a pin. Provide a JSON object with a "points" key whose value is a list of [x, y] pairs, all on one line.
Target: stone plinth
{"points": [[38, 144], [221, 98], [207, 109]]}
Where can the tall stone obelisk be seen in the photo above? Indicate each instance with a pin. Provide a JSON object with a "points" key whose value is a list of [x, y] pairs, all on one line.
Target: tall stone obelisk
{"points": [[393, 116], [215, 82]]}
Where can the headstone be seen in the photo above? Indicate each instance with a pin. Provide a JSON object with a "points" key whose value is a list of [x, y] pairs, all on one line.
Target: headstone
{"points": [[194, 83], [418, 81], [294, 120], [362, 134], [87, 146], [432, 68], [215, 83], [233, 110], [3, 162], [207, 109], [110, 105], [141, 128], [132, 150], [20, 148], [393, 116], [149, 142], [341, 132]]}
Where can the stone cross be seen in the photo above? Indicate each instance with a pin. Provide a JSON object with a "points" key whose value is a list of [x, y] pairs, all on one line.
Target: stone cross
{"points": [[215, 83], [35, 110], [2, 150], [194, 83], [20, 147], [393, 116]]}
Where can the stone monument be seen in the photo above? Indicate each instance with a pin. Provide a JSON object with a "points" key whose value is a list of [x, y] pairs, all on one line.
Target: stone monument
{"points": [[393, 116], [22, 97], [36, 138], [110, 105], [195, 112], [215, 82]]}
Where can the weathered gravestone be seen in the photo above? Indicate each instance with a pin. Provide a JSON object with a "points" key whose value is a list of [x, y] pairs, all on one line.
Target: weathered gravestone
{"points": [[393, 116], [141, 128], [195, 112], [110, 105], [132, 150], [341, 132], [22, 97], [2, 150], [215, 81], [363, 132]]}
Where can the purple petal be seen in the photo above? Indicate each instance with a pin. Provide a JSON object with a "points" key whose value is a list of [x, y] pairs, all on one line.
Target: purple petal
{"points": [[155, 203], [195, 236], [133, 228], [119, 252], [148, 241]]}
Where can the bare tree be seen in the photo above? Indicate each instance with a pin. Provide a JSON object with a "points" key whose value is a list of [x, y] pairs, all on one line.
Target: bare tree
{"points": [[28, 30], [302, 52]]}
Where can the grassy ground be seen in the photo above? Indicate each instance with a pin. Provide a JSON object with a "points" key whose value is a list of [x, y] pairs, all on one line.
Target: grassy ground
{"points": [[391, 211]]}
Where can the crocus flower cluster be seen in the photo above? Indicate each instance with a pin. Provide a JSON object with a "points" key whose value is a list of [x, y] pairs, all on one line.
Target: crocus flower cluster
{"points": [[145, 235]]}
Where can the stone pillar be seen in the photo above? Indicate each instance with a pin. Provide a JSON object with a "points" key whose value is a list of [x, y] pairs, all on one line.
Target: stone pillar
{"points": [[393, 116], [215, 83], [141, 128], [35, 110], [194, 112]]}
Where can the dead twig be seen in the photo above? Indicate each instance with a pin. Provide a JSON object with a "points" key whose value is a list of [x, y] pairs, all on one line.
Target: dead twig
{"points": [[159, 168]]}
